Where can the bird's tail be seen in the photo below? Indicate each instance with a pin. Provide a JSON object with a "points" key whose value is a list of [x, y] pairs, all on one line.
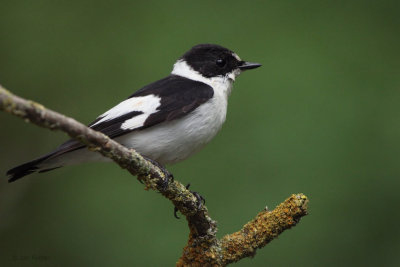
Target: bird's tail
{"points": [[29, 168], [46, 162]]}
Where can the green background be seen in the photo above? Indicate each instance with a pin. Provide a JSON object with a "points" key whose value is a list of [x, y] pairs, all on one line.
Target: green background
{"points": [[321, 116]]}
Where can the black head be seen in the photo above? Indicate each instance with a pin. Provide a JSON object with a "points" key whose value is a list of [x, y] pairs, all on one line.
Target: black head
{"points": [[212, 60]]}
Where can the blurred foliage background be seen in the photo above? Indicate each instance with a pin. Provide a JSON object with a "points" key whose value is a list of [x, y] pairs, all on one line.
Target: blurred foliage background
{"points": [[320, 117]]}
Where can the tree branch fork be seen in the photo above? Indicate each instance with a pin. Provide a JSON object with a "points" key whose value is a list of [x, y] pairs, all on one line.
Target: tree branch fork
{"points": [[203, 247]]}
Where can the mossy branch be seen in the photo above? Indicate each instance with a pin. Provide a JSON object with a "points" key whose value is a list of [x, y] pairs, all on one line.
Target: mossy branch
{"points": [[203, 248]]}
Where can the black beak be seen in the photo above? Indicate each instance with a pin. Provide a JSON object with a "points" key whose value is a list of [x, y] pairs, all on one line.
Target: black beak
{"points": [[243, 65]]}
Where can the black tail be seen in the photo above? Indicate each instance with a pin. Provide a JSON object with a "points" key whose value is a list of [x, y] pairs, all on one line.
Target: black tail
{"points": [[33, 166], [26, 168]]}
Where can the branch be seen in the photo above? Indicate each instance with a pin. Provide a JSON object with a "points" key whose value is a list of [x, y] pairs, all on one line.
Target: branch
{"points": [[266, 226], [203, 247]]}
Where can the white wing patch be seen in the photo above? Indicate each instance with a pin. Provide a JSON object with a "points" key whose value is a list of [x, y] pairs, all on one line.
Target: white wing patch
{"points": [[135, 122], [146, 104]]}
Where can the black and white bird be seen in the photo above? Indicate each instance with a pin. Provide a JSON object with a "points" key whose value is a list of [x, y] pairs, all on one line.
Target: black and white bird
{"points": [[165, 121]]}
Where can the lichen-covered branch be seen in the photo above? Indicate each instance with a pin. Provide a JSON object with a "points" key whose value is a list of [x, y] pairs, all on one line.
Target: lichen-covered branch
{"points": [[266, 226], [203, 248]]}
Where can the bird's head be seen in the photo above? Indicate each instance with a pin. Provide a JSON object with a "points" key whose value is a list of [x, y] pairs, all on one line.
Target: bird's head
{"points": [[210, 60]]}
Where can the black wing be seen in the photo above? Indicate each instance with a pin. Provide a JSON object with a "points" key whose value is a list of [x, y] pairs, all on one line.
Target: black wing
{"points": [[179, 96]]}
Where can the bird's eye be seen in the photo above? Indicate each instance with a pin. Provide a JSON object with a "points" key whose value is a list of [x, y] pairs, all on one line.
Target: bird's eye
{"points": [[220, 62]]}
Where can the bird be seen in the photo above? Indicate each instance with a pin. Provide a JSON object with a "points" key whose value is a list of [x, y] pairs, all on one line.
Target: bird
{"points": [[165, 121]]}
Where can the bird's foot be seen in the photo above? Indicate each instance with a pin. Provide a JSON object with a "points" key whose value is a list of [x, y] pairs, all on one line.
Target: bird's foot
{"points": [[200, 201], [168, 177]]}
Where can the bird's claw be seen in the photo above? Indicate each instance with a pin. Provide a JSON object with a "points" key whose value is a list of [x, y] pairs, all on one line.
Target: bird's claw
{"points": [[200, 201], [168, 177]]}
